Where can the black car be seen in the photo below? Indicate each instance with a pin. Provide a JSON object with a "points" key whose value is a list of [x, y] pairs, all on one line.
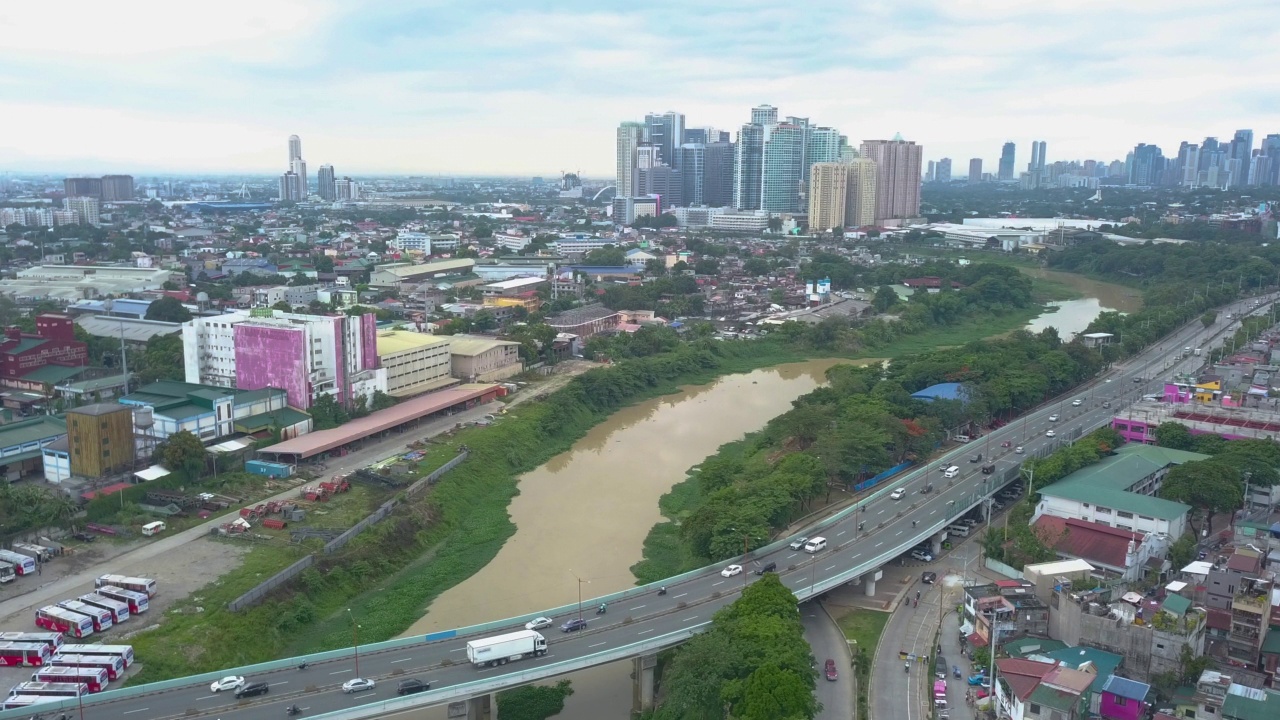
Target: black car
{"points": [[928, 578], [976, 458], [257, 688], [574, 624], [411, 686], [988, 469], [85, 537], [767, 567]]}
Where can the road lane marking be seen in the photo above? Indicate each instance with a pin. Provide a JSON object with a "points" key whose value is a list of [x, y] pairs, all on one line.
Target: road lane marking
{"points": [[642, 632], [458, 649], [206, 697], [719, 583], [879, 544], [338, 672], [695, 617], [792, 555], [636, 607], [130, 712], [841, 533], [830, 568], [282, 682], [596, 645], [393, 662], [679, 596]]}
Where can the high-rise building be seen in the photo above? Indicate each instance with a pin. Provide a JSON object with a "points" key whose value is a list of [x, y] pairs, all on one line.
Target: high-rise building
{"points": [[929, 174], [82, 187], [1241, 153], [943, 171], [717, 176], [781, 167], [295, 148], [325, 187], [1006, 162], [296, 177], [860, 198], [1036, 166], [693, 172], [975, 170], [630, 136], [749, 160], [1147, 166], [299, 168], [805, 131], [346, 189], [663, 181], [696, 136], [828, 191], [289, 188], [764, 115], [86, 209], [823, 146], [117, 188], [665, 132], [1271, 148], [898, 164]]}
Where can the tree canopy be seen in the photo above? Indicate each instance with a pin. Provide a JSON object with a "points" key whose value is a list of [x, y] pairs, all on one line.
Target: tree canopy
{"points": [[168, 309]]}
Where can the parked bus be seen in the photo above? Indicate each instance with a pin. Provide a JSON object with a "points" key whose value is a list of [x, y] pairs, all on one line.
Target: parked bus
{"points": [[22, 564], [52, 617], [119, 611], [7, 573], [94, 678], [51, 689], [142, 585], [113, 665], [14, 702], [52, 639], [101, 617], [124, 652], [136, 601], [31, 654]]}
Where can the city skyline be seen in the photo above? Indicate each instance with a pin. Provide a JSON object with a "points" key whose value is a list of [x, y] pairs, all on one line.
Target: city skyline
{"points": [[380, 89]]}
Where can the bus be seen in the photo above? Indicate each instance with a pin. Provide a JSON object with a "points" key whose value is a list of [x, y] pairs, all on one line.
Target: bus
{"points": [[7, 573], [113, 665], [136, 601], [20, 701], [119, 610], [124, 652], [94, 678], [52, 617], [101, 617], [22, 564], [31, 654], [51, 689], [52, 639], [141, 585]]}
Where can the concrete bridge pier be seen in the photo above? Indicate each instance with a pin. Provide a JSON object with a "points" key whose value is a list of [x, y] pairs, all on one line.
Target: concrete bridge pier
{"points": [[868, 581], [642, 669], [480, 707], [936, 543]]}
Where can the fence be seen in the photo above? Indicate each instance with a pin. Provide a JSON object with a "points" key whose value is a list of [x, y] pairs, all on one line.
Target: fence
{"points": [[1005, 570], [254, 596], [871, 482]]}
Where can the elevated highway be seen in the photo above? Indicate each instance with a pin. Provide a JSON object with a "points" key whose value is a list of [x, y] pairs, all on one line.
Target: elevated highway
{"points": [[861, 540]]}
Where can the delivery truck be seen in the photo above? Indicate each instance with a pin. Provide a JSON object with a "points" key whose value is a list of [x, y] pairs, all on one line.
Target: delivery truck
{"points": [[502, 649]]}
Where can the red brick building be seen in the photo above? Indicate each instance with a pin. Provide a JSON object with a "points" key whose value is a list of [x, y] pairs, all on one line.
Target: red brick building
{"points": [[53, 344]]}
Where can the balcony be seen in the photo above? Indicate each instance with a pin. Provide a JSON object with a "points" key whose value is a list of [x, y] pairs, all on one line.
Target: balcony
{"points": [[1253, 604]]}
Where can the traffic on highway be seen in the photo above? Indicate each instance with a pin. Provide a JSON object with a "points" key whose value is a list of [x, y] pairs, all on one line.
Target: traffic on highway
{"points": [[881, 528]]}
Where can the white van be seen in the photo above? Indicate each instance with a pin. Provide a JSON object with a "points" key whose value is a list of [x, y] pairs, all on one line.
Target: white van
{"points": [[951, 472], [961, 530], [153, 528], [815, 544]]}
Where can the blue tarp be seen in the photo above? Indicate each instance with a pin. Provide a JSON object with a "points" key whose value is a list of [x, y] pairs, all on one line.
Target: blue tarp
{"points": [[871, 482], [942, 391]]}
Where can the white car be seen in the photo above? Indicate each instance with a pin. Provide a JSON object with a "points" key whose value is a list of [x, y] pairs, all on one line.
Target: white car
{"points": [[355, 685], [731, 571], [898, 494], [538, 623], [1053, 417], [1077, 402], [1050, 433], [1018, 450], [230, 682], [922, 556]]}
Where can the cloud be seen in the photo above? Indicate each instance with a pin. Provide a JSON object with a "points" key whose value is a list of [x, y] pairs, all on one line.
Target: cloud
{"points": [[533, 87]]}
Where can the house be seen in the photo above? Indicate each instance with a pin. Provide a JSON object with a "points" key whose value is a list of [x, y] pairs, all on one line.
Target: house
{"points": [[1122, 554], [1217, 696], [53, 343], [1241, 588], [1033, 690], [1002, 610], [1123, 699], [929, 284]]}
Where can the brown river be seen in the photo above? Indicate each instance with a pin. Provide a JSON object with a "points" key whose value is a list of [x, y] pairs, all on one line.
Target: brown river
{"points": [[613, 478]]}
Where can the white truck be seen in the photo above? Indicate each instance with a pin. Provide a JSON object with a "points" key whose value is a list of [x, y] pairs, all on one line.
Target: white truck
{"points": [[1197, 352], [501, 649]]}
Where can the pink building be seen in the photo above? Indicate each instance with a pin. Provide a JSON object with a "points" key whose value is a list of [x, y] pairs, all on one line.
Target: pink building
{"points": [[1123, 699], [308, 356]]}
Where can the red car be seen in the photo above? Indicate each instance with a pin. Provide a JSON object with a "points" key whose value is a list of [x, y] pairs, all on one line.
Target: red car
{"points": [[831, 670]]}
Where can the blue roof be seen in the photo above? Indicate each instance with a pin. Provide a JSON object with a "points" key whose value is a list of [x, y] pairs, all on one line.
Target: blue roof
{"points": [[942, 391], [119, 306], [606, 270], [1126, 688]]}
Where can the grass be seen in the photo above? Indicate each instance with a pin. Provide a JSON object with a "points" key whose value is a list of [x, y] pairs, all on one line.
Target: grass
{"points": [[863, 628]]}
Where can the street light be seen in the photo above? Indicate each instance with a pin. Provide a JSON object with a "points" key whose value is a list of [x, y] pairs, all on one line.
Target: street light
{"points": [[355, 639], [580, 581]]}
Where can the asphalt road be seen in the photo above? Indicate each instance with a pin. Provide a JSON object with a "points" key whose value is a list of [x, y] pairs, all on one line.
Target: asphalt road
{"points": [[888, 524], [827, 642]]}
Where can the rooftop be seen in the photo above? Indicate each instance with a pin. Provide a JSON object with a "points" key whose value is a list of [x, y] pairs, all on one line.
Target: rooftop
{"points": [[468, 345], [1107, 482], [1126, 688], [515, 283], [391, 342], [427, 268], [1086, 540], [99, 409], [33, 430]]}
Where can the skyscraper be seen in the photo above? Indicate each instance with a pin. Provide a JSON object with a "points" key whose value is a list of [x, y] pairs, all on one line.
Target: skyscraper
{"points": [[748, 163], [1036, 166], [823, 146], [295, 148], [666, 133], [898, 165], [697, 136], [828, 191], [82, 187], [693, 172], [782, 167], [289, 188], [346, 189], [931, 174], [1006, 162], [116, 188], [717, 175], [297, 172], [860, 197], [943, 171], [975, 170], [1147, 166], [764, 115], [630, 135], [325, 187]]}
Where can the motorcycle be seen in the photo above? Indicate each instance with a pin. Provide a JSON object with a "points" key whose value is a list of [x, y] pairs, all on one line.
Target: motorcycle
{"points": [[1005, 444], [293, 710], [303, 665], [906, 667], [662, 590], [600, 610]]}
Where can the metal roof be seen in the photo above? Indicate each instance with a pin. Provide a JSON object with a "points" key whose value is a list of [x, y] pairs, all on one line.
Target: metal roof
{"points": [[391, 342], [470, 345], [44, 427], [133, 330]]}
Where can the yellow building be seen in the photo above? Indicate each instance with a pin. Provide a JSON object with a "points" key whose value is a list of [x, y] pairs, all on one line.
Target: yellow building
{"points": [[414, 362], [860, 193], [827, 183]]}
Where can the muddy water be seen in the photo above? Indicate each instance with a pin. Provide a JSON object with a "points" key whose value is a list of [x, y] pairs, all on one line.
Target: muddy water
{"points": [[585, 513], [1073, 316]]}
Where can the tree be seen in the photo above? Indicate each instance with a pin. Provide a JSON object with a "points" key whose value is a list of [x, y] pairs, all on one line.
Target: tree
{"points": [[607, 256], [534, 702], [381, 401], [161, 359], [1174, 435], [756, 266], [282, 305], [707, 266], [884, 299], [324, 263], [168, 309], [771, 693], [1183, 550], [775, 224], [183, 452], [1209, 318], [484, 320], [327, 414], [1211, 485], [655, 267]]}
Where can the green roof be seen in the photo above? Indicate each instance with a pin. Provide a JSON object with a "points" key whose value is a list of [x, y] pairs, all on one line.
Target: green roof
{"points": [[1054, 698], [53, 374], [1239, 707], [87, 386], [24, 345], [243, 397], [1272, 643], [1176, 605], [1104, 662], [1107, 483], [184, 411], [24, 455], [1023, 647], [283, 417], [27, 431]]}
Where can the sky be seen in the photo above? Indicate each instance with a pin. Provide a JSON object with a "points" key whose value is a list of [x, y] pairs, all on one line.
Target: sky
{"points": [[504, 87]]}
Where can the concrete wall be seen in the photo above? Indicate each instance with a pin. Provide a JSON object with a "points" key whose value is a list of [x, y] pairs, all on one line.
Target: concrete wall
{"points": [[273, 357]]}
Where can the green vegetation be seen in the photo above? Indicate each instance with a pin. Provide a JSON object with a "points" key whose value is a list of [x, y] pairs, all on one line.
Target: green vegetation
{"points": [[863, 628], [1216, 485], [533, 702], [27, 507], [752, 663]]}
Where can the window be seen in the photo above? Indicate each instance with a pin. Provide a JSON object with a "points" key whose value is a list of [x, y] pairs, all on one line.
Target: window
{"points": [[1035, 709], [1102, 510], [1210, 709], [1125, 515], [1119, 701]]}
